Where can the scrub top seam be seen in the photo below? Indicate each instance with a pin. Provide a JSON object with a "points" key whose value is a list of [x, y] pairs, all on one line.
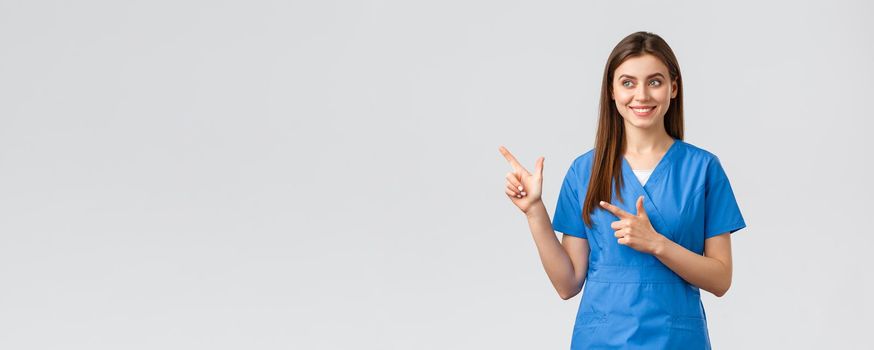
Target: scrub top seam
{"points": [[636, 282], [569, 232], [737, 225], [698, 191]]}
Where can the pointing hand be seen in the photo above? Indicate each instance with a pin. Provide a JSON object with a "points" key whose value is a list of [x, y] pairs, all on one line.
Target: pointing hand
{"points": [[522, 187], [635, 231]]}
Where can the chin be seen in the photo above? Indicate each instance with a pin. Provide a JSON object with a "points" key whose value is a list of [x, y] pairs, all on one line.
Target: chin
{"points": [[641, 124]]}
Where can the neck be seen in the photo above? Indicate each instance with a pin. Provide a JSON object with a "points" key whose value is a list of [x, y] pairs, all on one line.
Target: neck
{"points": [[645, 141]]}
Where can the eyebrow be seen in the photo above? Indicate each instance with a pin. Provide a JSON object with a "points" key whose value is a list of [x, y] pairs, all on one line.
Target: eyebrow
{"points": [[651, 75]]}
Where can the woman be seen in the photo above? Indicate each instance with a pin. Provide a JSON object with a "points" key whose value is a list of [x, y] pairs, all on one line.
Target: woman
{"points": [[646, 217]]}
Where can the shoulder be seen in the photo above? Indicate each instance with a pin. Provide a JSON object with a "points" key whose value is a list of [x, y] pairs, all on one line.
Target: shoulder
{"points": [[581, 167], [582, 164], [695, 153], [584, 160], [699, 158]]}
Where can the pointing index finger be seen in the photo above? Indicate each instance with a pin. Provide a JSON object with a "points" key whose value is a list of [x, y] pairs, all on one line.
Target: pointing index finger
{"points": [[510, 158], [622, 214]]}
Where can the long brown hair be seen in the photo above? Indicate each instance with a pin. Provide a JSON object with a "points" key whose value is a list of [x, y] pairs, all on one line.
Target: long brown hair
{"points": [[610, 140]]}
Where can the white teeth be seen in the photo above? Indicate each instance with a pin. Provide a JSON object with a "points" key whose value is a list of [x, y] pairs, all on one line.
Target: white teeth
{"points": [[642, 110]]}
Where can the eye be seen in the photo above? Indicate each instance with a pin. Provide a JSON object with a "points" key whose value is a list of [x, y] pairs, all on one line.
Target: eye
{"points": [[656, 81], [626, 83]]}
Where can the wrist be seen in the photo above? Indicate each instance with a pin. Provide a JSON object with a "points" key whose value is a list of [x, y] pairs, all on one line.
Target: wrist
{"points": [[660, 245], [535, 209]]}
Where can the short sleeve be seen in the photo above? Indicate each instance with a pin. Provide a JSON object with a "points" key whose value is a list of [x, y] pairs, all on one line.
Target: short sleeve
{"points": [[721, 212], [568, 217]]}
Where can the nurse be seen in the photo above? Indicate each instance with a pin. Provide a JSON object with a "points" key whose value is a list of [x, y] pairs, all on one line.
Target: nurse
{"points": [[646, 217]]}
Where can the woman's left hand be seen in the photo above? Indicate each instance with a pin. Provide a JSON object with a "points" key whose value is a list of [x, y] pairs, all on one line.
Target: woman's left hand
{"points": [[635, 231]]}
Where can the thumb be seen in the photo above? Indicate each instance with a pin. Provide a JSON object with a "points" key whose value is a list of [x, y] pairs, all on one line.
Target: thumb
{"points": [[641, 211], [538, 166]]}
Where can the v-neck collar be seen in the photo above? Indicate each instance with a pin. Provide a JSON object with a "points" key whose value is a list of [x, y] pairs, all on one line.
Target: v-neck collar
{"points": [[657, 171]]}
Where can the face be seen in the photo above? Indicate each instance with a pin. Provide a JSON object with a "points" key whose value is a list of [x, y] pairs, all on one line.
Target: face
{"points": [[642, 91]]}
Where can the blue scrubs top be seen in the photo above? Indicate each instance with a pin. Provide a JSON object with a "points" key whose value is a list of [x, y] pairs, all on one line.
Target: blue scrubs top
{"points": [[630, 299]]}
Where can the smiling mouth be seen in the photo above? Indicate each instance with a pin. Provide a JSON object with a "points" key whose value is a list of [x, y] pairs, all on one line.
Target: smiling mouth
{"points": [[642, 109]]}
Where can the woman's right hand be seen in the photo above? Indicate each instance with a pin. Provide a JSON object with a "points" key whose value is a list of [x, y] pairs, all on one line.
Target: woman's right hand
{"points": [[522, 187]]}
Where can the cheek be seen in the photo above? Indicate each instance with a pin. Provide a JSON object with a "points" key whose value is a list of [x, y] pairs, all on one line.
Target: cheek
{"points": [[663, 96], [622, 98]]}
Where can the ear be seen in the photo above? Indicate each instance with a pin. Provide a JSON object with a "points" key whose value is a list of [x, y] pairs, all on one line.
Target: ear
{"points": [[674, 86]]}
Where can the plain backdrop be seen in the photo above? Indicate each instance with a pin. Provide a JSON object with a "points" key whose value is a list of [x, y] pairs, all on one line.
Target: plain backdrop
{"points": [[325, 174]]}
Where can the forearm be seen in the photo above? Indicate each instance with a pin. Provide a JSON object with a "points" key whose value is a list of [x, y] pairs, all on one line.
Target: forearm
{"points": [[704, 272], [554, 257]]}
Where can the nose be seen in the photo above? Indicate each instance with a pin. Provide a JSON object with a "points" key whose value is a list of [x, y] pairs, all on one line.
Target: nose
{"points": [[642, 93]]}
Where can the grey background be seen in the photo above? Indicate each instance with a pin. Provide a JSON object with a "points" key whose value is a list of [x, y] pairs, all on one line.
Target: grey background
{"points": [[325, 174]]}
